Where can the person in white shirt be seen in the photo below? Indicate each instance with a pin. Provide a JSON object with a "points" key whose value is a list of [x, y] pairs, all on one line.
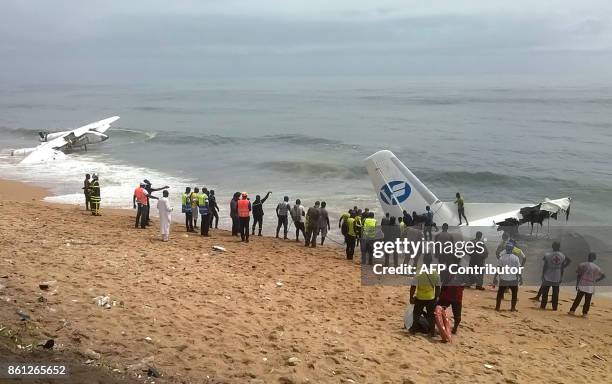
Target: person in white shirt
{"points": [[298, 214], [165, 216], [282, 211], [509, 262], [588, 274], [552, 273]]}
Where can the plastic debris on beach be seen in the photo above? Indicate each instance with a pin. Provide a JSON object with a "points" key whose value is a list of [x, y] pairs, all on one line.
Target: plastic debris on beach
{"points": [[279, 284], [103, 301], [218, 248], [23, 316], [293, 361]]}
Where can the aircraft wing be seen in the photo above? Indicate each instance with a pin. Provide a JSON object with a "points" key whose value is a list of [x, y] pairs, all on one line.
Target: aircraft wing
{"points": [[53, 150]]}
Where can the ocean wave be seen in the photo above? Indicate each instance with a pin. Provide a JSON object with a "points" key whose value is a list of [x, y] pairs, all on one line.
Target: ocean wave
{"points": [[315, 169], [179, 138], [65, 178], [20, 131], [487, 178]]}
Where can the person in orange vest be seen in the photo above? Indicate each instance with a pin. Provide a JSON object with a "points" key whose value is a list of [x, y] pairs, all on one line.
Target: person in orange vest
{"points": [[244, 215], [141, 196]]}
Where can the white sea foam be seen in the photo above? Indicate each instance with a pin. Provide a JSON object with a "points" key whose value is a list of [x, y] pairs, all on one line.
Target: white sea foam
{"points": [[65, 178]]}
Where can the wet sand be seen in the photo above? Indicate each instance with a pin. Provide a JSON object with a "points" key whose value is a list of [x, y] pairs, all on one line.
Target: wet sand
{"points": [[243, 315]]}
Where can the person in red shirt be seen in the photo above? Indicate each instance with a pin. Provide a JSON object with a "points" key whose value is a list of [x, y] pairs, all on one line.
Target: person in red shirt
{"points": [[244, 215], [451, 295], [141, 197]]}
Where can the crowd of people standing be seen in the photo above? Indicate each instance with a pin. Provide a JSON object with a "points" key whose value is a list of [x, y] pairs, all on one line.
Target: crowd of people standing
{"points": [[360, 228]]}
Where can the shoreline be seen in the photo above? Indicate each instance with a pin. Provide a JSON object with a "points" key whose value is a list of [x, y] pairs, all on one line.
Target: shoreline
{"points": [[243, 314]]}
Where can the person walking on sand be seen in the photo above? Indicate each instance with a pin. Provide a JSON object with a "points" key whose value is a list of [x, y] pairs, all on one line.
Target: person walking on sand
{"points": [[460, 208], [194, 206], [243, 207], [282, 214], [165, 215], [587, 275], [552, 273], [508, 280], [95, 196], [429, 224], [451, 295], [141, 197], [323, 222], [186, 209], [312, 225], [477, 259], [258, 212], [204, 210], [297, 215], [424, 291], [351, 235], [87, 191], [234, 214], [213, 209], [149, 188]]}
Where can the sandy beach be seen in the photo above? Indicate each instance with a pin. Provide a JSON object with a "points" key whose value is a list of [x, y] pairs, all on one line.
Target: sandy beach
{"points": [[270, 311]]}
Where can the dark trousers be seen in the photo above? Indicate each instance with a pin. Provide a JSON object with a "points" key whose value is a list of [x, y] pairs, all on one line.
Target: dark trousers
{"points": [[350, 247], [147, 211], [429, 306], [87, 201], [555, 295], [215, 218], [395, 258], [235, 226], [141, 216], [188, 221], [477, 278], [367, 251], [204, 225], [503, 286], [456, 307], [282, 222], [244, 228], [311, 236], [299, 226], [94, 205], [578, 299], [257, 220]]}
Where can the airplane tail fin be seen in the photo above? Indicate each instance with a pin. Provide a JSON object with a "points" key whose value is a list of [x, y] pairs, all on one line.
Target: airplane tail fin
{"points": [[397, 188]]}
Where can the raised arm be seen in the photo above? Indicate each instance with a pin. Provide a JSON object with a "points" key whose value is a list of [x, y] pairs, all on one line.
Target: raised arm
{"points": [[266, 197]]}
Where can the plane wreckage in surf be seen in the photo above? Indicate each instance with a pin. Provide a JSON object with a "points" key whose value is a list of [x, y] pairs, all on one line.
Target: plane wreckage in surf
{"points": [[55, 145], [399, 190]]}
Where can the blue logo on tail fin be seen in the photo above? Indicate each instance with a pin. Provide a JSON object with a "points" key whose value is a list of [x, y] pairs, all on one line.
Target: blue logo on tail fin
{"points": [[395, 192]]}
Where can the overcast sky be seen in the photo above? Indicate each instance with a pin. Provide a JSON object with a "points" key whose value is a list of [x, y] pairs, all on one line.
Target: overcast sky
{"points": [[144, 39]]}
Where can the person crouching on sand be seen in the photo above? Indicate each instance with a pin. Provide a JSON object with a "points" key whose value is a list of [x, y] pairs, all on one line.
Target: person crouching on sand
{"points": [[423, 293], [165, 216]]}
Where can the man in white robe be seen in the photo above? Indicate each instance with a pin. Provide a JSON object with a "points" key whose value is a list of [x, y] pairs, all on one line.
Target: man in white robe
{"points": [[165, 216]]}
